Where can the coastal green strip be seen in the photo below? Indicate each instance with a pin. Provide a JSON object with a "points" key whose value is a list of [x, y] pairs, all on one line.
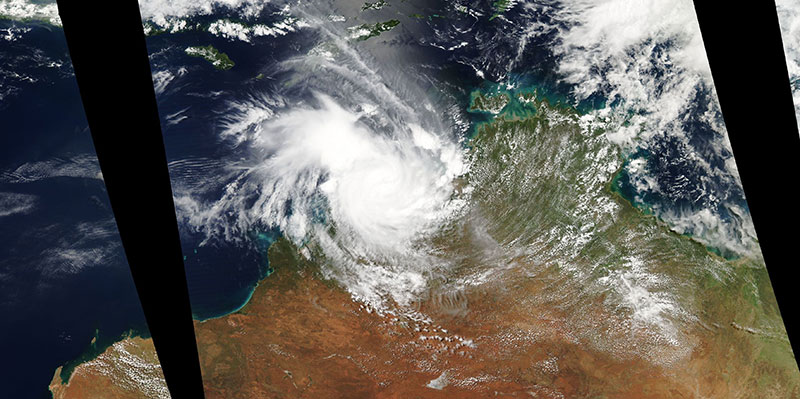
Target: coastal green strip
{"points": [[493, 102], [31, 11], [32, 19], [183, 25], [497, 102], [209, 53], [544, 176]]}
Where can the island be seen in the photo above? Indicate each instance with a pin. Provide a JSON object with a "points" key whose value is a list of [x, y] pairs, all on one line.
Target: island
{"points": [[635, 311], [209, 53]]}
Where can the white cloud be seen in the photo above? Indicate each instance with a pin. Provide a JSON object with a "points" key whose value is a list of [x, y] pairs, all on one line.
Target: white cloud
{"points": [[25, 9], [648, 57], [83, 166], [788, 13], [238, 31], [162, 12], [16, 203]]}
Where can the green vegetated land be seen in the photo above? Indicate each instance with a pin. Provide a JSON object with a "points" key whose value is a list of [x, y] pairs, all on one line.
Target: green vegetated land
{"points": [[209, 53], [542, 180], [366, 31]]}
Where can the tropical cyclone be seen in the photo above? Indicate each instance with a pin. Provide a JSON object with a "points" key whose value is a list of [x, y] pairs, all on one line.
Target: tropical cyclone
{"points": [[561, 289]]}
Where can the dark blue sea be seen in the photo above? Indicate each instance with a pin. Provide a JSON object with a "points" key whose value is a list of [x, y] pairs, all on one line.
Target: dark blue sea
{"points": [[63, 275], [221, 275], [64, 280]]}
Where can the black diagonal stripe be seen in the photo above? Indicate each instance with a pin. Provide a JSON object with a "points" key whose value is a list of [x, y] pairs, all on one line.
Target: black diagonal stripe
{"points": [[745, 52], [109, 55]]}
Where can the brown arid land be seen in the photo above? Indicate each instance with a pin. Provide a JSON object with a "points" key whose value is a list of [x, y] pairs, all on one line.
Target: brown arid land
{"points": [[530, 308], [303, 337]]}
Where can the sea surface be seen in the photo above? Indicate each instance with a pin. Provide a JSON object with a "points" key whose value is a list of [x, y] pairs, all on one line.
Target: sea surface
{"points": [[64, 280]]}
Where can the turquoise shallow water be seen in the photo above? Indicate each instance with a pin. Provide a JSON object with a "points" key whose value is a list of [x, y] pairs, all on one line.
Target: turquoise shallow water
{"points": [[222, 279]]}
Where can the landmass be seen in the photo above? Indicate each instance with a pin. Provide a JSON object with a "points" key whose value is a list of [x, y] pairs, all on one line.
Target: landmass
{"points": [[127, 369], [501, 6], [28, 11], [366, 31], [374, 6], [489, 103], [209, 53], [606, 301]]}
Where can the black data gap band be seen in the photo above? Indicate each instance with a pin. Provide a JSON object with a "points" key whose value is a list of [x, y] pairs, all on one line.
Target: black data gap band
{"points": [[109, 56], [745, 52]]}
